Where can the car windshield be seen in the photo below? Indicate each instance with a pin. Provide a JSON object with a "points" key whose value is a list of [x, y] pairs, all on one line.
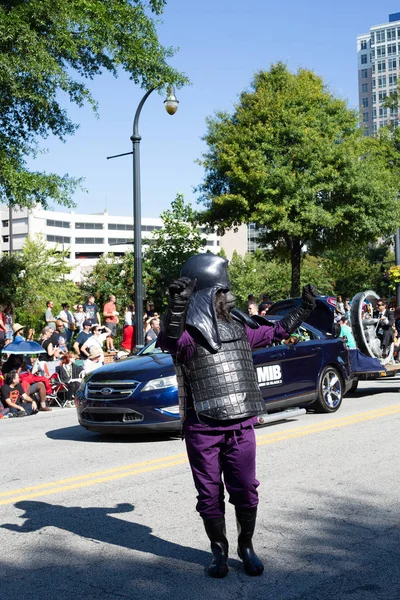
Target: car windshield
{"points": [[150, 349]]}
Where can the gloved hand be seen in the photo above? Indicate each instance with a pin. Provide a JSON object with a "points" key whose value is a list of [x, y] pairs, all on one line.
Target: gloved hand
{"points": [[309, 294], [181, 289]]}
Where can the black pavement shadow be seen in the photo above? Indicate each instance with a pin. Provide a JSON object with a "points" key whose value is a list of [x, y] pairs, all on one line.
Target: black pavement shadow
{"points": [[78, 433], [332, 548]]}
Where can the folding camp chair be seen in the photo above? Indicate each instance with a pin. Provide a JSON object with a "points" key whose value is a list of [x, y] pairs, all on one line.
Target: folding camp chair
{"points": [[59, 393]]}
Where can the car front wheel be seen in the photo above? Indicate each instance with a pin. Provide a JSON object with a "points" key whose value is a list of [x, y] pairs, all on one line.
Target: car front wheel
{"points": [[330, 391]]}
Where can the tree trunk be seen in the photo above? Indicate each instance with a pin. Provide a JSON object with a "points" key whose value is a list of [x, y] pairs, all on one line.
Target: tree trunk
{"points": [[295, 259]]}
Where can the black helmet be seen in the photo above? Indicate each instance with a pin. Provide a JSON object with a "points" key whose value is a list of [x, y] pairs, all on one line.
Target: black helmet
{"points": [[211, 275], [209, 270]]}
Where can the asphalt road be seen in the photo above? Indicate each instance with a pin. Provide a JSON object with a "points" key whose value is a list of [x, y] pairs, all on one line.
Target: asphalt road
{"points": [[114, 518]]}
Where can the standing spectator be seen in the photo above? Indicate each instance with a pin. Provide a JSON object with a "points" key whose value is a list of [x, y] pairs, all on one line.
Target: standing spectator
{"points": [[3, 330], [79, 317], [48, 316], [14, 397], [345, 331], [347, 308], [154, 330], [150, 309], [397, 319], [252, 308], [340, 305], [96, 340], [92, 312], [8, 321], [67, 318], [251, 298], [83, 336], [129, 316], [384, 330], [111, 318]]}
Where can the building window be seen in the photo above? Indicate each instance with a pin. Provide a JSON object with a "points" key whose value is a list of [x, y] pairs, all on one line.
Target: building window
{"points": [[89, 226], [380, 36], [120, 227], [87, 240], [392, 79], [374, 113], [367, 132], [382, 81], [364, 73], [372, 40], [381, 66], [59, 239], [383, 112], [374, 127], [391, 34], [363, 44], [373, 84], [364, 88], [374, 98], [392, 64], [365, 117], [5, 223], [365, 102], [51, 223], [364, 59], [381, 51], [150, 227], [391, 49], [5, 238], [382, 96], [115, 241]]}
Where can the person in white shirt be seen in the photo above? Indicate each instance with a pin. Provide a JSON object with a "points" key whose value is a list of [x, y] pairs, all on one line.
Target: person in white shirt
{"points": [[98, 337], [93, 361]]}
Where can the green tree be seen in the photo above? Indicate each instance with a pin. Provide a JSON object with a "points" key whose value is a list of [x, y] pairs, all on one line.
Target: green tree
{"points": [[293, 159], [48, 50], [170, 247], [111, 275], [38, 274]]}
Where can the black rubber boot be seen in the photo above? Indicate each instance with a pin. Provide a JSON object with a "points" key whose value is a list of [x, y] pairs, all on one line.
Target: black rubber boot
{"points": [[216, 531], [246, 522]]}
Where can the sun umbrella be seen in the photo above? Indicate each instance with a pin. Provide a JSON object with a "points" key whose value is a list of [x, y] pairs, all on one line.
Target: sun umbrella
{"points": [[23, 348]]}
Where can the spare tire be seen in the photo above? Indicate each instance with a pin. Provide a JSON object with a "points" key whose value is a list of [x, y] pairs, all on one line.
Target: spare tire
{"points": [[356, 320]]}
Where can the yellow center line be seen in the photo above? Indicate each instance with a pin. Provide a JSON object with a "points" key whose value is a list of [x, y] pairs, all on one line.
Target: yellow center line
{"points": [[81, 481]]}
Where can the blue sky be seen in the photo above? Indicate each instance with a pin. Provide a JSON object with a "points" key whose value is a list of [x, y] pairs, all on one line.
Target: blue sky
{"points": [[222, 44]]}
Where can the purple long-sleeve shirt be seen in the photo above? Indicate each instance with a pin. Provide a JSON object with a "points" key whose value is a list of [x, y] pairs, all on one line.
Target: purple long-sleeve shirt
{"points": [[183, 350]]}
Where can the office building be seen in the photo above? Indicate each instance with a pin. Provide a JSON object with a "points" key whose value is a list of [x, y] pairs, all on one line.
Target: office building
{"points": [[378, 71]]}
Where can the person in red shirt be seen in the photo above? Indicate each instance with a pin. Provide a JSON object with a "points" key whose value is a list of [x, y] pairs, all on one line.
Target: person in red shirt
{"points": [[111, 318]]}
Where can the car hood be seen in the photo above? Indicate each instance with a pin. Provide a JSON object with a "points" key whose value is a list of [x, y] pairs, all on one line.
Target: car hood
{"points": [[322, 317], [141, 368]]}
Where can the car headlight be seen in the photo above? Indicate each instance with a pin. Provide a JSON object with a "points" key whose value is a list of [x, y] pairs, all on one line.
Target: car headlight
{"points": [[160, 384]]}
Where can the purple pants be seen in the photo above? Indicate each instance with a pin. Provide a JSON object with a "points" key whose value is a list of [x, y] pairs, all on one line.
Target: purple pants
{"points": [[231, 453]]}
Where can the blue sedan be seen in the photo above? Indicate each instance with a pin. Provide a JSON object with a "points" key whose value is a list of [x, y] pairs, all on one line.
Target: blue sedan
{"points": [[139, 394]]}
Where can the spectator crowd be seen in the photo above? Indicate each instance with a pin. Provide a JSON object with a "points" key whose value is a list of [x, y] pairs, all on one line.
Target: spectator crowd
{"points": [[73, 343]]}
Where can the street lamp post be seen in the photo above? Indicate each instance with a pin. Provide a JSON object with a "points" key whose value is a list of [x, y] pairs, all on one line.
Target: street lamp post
{"points": [[171, 106]]}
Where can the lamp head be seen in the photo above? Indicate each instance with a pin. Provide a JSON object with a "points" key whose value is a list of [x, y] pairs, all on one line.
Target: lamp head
{"points": [[171, 102]]}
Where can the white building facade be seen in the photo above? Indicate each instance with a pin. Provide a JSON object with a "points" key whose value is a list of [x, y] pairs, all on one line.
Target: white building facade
{"points": [[86, 237], [378, 71]]}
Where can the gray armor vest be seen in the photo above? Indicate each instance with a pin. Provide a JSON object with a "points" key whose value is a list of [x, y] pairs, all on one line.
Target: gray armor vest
{"points": [[223, 385]]}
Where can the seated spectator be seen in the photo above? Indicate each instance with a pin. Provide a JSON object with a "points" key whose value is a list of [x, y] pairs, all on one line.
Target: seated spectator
{"points": [[96, 340], [70, 374], [252, 308], [15, 398], [5, 412], [93, 361], [83, 337], [346, 332], [154, 330], [46, 340]]}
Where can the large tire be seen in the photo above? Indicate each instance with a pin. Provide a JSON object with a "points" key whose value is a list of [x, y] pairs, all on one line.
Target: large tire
{"points": [[356, 320], [330, 391]]}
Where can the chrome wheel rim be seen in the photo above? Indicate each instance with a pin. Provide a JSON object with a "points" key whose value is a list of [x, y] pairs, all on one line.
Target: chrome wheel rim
{"points": [[331, 389]]}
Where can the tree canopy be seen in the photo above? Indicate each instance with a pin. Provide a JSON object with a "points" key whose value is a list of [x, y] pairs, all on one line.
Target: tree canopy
{"points": [[49, 50], [293, 159], [170, 247]]}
